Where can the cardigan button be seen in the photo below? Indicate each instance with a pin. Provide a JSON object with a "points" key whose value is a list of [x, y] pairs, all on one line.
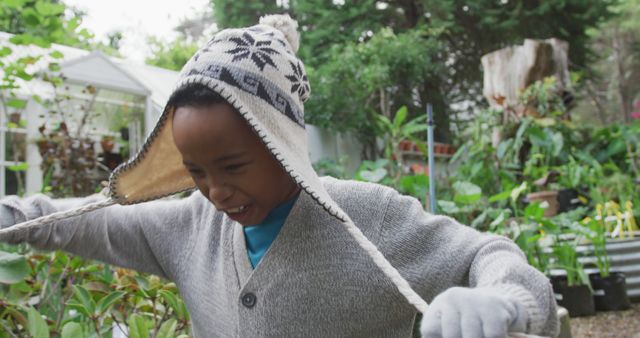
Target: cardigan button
{"points": [[249, 300]]}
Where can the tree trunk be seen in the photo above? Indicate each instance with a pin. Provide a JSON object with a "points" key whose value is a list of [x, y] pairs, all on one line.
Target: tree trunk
{"points": [[510, 70], [625, 104]]}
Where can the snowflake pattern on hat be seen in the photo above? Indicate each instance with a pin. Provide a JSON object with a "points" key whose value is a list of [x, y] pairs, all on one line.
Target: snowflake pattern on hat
{"points": [[258, 51], [259, 61], [300, 83]]}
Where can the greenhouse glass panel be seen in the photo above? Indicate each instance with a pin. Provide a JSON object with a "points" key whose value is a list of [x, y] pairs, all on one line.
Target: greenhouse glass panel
{"points": [[15, 146], [13, 181], [100, 113]]}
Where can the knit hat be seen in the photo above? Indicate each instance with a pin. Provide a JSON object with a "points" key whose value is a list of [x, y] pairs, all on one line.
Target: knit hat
{"points": [[256, 70]]}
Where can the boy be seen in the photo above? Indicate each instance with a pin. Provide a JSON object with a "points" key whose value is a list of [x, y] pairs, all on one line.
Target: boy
{"points": [[266, 248]]}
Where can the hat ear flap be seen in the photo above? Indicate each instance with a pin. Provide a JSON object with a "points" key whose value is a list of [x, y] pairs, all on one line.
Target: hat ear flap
{"points": [[157, 170]]}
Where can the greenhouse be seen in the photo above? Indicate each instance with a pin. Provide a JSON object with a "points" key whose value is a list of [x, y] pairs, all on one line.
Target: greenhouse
{"points": [[114, 97]]}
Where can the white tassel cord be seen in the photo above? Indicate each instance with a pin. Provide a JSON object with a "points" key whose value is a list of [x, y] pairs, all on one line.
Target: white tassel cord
{"points": [[57, 216], [392, 273]]}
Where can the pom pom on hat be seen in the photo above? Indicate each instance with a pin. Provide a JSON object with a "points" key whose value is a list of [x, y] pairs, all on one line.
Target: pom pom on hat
{"points": [[285, 24]]}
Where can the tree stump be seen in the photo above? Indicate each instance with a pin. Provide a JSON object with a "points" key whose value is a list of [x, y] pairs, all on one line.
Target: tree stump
{"points": [[509, 71]]}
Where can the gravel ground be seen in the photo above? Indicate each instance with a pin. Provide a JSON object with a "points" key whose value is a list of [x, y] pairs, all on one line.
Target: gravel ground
{"points": [[611, 324]]}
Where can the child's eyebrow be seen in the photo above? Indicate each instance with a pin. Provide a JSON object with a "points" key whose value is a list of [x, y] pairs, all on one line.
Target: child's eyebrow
{"points": [[228, 157], [222, 158]]}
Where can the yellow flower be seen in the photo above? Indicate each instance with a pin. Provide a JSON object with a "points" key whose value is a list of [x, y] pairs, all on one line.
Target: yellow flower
{"points": [[583, 200], [619, 224], [630, 219], [599, 212]]}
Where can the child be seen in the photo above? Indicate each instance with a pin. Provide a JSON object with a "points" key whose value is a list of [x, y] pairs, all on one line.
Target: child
{"points": [[266, 248]]}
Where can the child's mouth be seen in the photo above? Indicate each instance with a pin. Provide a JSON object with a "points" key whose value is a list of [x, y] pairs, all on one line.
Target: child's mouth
{"points": [[236, 210], [239, 214]]}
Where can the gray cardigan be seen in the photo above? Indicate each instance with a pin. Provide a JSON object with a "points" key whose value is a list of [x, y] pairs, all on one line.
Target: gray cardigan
{"points": [[314, 281]]}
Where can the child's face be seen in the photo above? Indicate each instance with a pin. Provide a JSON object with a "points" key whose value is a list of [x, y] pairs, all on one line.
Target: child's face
{"points": [[229, 163]]}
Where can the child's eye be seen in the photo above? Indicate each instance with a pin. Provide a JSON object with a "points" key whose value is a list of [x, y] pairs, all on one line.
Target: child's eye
{"points": [[196, 173], [234, 167]]}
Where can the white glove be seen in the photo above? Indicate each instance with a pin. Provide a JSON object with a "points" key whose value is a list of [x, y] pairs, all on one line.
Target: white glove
{"points": [[473, 313]]}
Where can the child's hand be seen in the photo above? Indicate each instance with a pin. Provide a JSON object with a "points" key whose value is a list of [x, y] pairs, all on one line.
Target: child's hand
{"points": [[472, 313]]}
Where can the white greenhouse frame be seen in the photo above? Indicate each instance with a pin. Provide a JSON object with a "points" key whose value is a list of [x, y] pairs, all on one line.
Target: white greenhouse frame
{"points": [[82, 68]]}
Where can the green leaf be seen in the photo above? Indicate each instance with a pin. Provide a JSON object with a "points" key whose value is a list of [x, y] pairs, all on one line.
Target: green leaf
{"points": [[500, 197], [538, 137], [105, 302], [534, 211], [170, 298], [503, 148], [17, 103], [48, 8], [138, 327], [515, 193], [21, 39], [466, 192], [16, 4], [72, 330], [24, 75], [558, 143], [498, 220], [168, 329], [5, 51], [374, 176], [523, 127], [73, 23], [56, 54], [545, 121], [142, 282], [617, 146], [31, 17], [384, 124], [467, 199], [13, 267], [18, 167], [37, 326], [54, 67], [411, 129], [422, 147], [85, 298], [38, 99], [401, 115], [80, 308], [448, 207]]}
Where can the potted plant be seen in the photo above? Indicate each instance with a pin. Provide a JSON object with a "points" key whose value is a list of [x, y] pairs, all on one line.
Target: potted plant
{"points": [[405, 145], [546, 193], [533, 233], [573, 291], [570, 179], [609, 288], [107, 143]]}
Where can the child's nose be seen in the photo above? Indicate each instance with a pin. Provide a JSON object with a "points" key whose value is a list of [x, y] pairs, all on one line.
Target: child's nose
{"points": [[219, 193]]}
